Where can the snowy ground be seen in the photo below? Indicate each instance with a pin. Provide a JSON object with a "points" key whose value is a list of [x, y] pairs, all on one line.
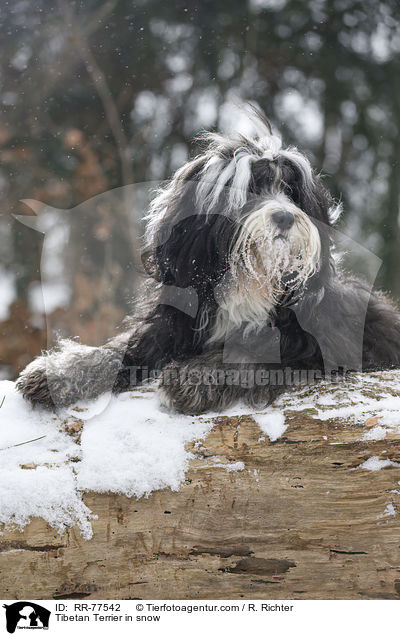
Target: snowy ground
{"points": [[128, 445]]}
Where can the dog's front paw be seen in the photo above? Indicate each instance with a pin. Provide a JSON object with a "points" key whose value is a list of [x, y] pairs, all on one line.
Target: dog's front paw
{"points": [[45, 386], [33, 384], [205, 383], [187, 400], [190, 388]]}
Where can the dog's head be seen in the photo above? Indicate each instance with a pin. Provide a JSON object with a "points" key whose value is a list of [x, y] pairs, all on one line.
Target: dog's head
{"points": [[247, 217]]}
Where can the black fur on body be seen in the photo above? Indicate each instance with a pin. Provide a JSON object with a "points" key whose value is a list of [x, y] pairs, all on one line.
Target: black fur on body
{"points": [[192, 244]]}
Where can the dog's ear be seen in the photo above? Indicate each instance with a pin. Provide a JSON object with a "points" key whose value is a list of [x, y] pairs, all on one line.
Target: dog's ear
{"points": [[196, 252], [189, 245]]}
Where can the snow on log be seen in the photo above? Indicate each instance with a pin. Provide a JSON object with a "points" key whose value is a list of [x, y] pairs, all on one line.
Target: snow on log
{"points": [[119, 499]]}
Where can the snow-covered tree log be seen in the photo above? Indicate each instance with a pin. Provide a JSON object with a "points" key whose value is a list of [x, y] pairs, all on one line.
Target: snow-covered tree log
{"points": [[298, 501]]}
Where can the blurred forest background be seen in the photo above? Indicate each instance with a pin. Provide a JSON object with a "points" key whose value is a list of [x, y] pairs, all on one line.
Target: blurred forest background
{"points": [[101, 94]]}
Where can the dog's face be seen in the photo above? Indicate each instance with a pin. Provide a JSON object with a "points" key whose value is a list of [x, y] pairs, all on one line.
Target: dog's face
{"points": [[246, 222]]}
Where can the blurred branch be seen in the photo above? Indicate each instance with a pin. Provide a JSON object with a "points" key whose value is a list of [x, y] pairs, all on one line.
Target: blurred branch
{"points": [[99, 16], [79, 38]]}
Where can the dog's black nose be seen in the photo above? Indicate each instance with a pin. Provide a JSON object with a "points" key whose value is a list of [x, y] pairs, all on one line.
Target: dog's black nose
{"points": [[283, 219]]}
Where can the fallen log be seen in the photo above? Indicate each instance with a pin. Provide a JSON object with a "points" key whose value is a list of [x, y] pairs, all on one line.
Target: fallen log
{"points": [[312, 515]]}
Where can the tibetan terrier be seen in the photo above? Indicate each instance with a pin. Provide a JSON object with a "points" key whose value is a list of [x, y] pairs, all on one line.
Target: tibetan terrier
{"points": [[243, 297]]}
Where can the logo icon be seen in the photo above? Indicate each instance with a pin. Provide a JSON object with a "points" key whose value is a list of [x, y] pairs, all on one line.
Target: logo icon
{"points": [[26, 615]]}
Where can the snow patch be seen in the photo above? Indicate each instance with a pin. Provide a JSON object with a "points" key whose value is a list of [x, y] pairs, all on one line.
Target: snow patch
{"points": [[374, 463], [271, 423], [357, 399], [376, 432], [127, 446], [232, 468], [217, 462], [46, 492], [133, 448], [388, 512]]}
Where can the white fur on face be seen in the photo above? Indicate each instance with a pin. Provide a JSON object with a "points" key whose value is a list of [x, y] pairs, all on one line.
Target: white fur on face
{"points": [[265, 263]]}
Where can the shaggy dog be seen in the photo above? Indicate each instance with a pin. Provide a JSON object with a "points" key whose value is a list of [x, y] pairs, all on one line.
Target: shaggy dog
{"points": [[243, 292]]}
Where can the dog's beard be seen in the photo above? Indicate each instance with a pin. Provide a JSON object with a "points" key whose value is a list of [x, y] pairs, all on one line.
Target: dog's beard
{"points": [[278, 260], [267, 266]]}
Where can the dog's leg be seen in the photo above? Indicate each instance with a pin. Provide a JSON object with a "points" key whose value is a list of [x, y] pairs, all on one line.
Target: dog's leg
{"points": [[74, 371], [206, 383], [71, 373]]}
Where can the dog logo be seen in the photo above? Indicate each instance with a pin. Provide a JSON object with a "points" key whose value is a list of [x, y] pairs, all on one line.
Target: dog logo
{"points": [[26, 615]]}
